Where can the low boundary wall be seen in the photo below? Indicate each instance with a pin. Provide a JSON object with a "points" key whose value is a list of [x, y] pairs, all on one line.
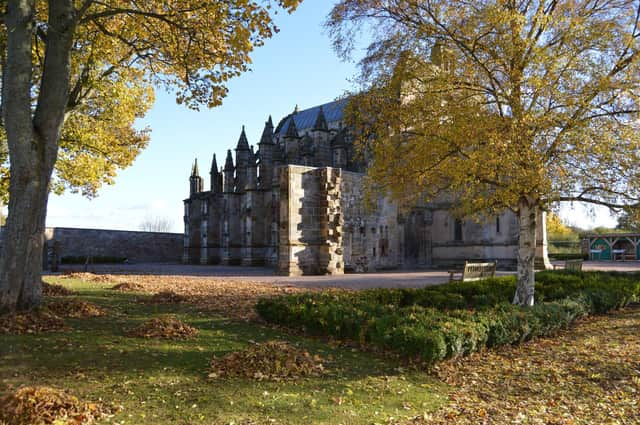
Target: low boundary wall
{"points": [[137, 247]]}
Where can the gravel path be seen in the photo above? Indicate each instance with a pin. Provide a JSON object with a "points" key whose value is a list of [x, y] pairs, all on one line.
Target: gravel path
{"points": [[391, 279]]}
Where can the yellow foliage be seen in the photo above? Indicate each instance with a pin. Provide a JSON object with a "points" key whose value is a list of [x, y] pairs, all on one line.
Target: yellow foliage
{"points": [[629, 220], [121, 51], [556, 228], [522, 102]]}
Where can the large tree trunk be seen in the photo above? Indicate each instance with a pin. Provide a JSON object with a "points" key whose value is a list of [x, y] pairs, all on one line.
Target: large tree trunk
{"points": [[21, 261], [32, 137], [527, 211]]}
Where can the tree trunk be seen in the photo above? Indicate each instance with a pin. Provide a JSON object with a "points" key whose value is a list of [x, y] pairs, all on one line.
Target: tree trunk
{"points": [[21, 261], [527, 210], [32, 137]]}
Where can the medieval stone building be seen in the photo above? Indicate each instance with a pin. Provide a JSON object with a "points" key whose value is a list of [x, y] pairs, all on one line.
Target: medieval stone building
{"points": [[296, 204]]}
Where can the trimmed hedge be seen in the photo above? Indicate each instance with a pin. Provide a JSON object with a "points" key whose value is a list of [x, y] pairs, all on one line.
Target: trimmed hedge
{"points": [[455, 319]]}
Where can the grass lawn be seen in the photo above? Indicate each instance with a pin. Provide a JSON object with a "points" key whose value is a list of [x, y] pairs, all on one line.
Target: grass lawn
{"points": [[588, 374], [165, 382]]}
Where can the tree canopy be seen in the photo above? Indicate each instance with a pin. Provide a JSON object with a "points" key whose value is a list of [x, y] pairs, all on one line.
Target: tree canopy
{"points": [[557, 230], [629, 220], [499, 103], [77, 73], [122, 51]]}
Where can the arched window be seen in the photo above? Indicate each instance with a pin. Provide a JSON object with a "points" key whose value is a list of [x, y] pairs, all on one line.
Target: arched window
{"points": [[457, 230]]}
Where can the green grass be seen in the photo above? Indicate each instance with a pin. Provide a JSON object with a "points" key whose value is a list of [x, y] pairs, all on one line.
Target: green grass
{"points": [[165, 382]]}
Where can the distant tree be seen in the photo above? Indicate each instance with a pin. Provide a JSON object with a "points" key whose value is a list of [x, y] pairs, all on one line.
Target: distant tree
{"points": [[524, 104], [629, 220], [76, 74], [156, 224], [602, 230], [557, 230]]}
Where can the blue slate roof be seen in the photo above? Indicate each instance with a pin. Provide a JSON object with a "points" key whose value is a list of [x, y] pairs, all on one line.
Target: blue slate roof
{"points": [[333, 111]]}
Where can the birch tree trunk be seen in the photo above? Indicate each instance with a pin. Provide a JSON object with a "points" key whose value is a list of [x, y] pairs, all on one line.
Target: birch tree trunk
{"points": [[527, 211], [32, 137]]}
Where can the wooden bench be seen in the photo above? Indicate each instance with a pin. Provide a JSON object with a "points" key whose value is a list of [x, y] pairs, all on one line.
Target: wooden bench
{"points": [[623, 255], [473, 271], [570, 265]]}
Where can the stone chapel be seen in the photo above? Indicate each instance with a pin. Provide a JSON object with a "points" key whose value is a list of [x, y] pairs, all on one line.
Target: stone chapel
{"points": [[295, 203]]}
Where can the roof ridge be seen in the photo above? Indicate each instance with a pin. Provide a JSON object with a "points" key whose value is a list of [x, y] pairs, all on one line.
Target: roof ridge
{"points": [[306, 119]]}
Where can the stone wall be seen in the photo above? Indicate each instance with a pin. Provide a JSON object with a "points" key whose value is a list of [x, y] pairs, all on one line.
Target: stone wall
{"points": [[310, 221], [373, 237], [493, 238], [326, 227], [135, 246]]}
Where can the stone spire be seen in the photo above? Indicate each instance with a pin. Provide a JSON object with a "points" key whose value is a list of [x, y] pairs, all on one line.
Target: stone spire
{"points": [[194, 170], [228, 181], [228, 165], [267, 133], [195, 181], [321, 121], [243, 143], [243, 162], [266, 154], [216, 177], [214, 165], [292, 131]]}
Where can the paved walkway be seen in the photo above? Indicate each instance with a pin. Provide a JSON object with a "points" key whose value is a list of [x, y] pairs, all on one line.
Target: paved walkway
{"points": [[391, 279]]}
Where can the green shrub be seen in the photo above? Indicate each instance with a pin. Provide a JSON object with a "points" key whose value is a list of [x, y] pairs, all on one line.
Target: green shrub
{"points": [[456, 319], [416, 341], [437, 299], [459, 295]]}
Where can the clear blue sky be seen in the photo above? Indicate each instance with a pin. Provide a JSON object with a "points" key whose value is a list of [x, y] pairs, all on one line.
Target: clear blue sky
{"points": [[296, 66]]}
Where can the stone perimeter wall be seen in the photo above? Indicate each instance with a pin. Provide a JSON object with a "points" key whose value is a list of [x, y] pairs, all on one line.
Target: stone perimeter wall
{"points": [[138, 247]]}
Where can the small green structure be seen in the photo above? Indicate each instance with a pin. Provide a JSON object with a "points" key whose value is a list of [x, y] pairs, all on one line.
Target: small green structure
{"points": [[613, 247]]}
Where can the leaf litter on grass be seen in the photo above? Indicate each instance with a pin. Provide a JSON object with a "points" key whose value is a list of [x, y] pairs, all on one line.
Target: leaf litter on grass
{"points": [[75, 308], [166, 326], [589, 374], [46, 405], [586, 375], [128, 287], [164, 297], [234, 299], [53, 290], [31, 322], [271, 360]]}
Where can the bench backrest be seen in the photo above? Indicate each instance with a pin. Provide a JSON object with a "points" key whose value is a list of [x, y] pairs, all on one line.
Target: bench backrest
{"points": [[477, 271], [575, 265]]}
